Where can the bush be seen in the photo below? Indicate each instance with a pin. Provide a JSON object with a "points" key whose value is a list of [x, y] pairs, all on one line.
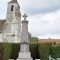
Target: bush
{"points": [[7, 50], [34, 51], [44, 50], [15, 51], [11, 51], [1, 51], [55, 51]]}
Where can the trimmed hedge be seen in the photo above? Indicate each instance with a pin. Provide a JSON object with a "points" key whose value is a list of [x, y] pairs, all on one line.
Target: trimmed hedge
{"points": [[7, 47], [34, 51], [44, 50], [15, 51], [1, 51], [38, 51], [7, 51], [55, 51]]}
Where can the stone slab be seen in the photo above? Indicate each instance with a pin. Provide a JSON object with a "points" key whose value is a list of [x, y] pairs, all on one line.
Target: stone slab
{"points": [[11, 59], [24, 59], [58, 58], [25, 55], [37, 59]]}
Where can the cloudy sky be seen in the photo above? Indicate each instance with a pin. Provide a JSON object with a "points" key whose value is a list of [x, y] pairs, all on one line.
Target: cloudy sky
{"points": [[43, 16]]}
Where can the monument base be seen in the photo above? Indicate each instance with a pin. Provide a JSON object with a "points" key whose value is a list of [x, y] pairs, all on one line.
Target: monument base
{"points": [[24, 59], [24, 56]]}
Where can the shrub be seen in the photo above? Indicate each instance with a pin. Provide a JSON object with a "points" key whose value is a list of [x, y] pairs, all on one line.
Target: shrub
{"points": [[15, 51], [7, 51], [11, 51], [55, 51], [44, 50], [1, 51], [34, 51]]}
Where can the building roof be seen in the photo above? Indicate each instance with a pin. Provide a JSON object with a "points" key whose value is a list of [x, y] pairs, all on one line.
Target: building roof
{"points": [[2, 21], [13, 1], [49, 40]]}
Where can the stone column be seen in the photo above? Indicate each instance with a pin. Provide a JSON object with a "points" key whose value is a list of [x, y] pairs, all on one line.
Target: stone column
{"points": [[24, 53], [24, 37]]}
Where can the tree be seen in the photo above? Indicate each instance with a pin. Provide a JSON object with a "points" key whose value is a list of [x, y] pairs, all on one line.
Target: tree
{"points": [[54, 43], [32, 39]]}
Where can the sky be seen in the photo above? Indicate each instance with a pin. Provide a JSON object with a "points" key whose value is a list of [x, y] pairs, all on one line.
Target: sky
{"points": [[43, 16]]}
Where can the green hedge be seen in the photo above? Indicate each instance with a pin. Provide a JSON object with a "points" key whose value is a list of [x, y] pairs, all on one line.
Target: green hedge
{"points": [[15, 51], [38, 51], [1, 51], [55, 51], [34, 51], [7, 50], [44, 50]]}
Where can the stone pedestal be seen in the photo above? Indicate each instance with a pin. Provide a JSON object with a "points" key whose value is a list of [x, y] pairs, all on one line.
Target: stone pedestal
{"points": [[25, 59], [24, 53], [24, 56]]}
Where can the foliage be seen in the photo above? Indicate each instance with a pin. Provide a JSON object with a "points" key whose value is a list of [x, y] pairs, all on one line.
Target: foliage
{"points": [[38, 50], [54, 43], [15, 51], [1, 51], [11, 50], [7, 50], [44, 50], [34, 51], [32, 39], [55, 51]]}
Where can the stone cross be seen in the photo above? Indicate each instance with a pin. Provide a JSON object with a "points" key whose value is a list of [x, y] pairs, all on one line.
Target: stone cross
{"points": [[24, 53], [25, 16]]}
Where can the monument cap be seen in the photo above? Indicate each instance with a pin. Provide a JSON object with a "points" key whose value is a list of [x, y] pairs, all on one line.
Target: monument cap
{"points": [[13, 1]]}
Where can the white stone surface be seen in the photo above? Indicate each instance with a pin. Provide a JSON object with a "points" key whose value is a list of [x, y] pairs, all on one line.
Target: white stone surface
{"points": [[24, 53], [50, 57], [11, 59], [24, 37], [53, 59], [12, 27], [24, 59], [58, 58], [37, 59]]}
